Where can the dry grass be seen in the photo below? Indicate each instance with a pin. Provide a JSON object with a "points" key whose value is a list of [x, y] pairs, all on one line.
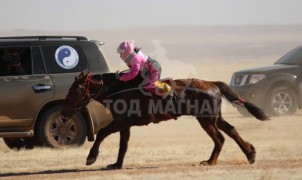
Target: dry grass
{"points": [[172, 150]]}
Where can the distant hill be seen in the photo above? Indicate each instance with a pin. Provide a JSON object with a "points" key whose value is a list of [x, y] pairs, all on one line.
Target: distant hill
{"points": [[194, 45]]}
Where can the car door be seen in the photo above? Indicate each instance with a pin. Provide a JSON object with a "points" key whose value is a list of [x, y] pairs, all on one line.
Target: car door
{"points": [[22, 95]]}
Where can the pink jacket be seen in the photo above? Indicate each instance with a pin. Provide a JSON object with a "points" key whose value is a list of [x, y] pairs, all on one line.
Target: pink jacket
{"points": [[135, 64]]}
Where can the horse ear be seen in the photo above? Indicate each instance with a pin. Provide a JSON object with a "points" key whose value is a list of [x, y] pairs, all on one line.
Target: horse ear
{"points": [[88, 75], [81, 75]]}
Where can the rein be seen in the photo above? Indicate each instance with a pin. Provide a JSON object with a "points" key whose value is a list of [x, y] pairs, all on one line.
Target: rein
{"points": [[87, 85], [86, 94]]}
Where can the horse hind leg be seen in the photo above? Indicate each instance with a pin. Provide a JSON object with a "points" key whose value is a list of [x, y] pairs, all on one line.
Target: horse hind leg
{"points": [[248, 149], [209, 125]]}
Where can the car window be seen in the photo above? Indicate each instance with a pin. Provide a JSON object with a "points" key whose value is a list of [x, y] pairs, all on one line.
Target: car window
{"points": [[64, 59], [15, 61], [38, 65], [294, 57]]}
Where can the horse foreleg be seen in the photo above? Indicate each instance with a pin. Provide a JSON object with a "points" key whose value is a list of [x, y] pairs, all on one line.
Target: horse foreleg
{"points": [[246, 147], [208, 124], [124, 138], [113, 127]]}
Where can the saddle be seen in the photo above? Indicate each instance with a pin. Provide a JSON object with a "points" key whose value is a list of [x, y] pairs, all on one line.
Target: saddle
{"points": [[163, 87], [163, 90]]}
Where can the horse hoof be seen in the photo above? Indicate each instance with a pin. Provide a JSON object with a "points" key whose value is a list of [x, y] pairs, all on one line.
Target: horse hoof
{"points": [[252, 161], [251, 157], [90, 161], [113, 166], [204, 163]]}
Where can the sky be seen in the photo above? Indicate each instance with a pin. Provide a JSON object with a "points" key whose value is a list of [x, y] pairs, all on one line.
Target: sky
{"points": [[107, 14]]}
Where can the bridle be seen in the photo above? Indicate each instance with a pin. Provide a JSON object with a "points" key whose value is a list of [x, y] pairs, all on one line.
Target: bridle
{"points": [[86, 86]]}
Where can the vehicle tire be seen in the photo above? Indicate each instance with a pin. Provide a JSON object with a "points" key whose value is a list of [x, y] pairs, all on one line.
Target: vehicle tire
{"points": [[19, 143], [281, 101], [53, 131]]}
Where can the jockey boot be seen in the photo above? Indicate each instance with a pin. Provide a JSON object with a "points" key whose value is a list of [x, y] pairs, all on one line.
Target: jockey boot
{"points": [[172, 101], [171, 98]]}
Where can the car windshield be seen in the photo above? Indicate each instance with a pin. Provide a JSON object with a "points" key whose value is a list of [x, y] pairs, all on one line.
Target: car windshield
{"points": [[294, 57]]}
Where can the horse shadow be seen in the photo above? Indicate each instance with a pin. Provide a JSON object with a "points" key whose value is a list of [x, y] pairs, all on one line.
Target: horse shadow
{"points": [[61, 171], [64, 171]]}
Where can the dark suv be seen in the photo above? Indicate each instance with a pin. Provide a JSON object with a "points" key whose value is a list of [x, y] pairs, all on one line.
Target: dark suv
{"points": [[35, 75], [276, 88]]}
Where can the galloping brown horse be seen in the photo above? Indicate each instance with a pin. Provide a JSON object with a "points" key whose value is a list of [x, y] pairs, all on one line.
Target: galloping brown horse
{"points": [[131, 106]]}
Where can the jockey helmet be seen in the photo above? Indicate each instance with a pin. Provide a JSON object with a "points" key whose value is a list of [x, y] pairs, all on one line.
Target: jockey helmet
{"points": [[125, 49]]}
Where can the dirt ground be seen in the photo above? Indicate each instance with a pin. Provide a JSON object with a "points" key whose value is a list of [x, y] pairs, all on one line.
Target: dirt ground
{"points": [[171, 149]]}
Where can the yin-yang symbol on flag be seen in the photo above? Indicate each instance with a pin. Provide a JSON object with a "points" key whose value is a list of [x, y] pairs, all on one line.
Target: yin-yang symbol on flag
{"points": [[67, 57]]}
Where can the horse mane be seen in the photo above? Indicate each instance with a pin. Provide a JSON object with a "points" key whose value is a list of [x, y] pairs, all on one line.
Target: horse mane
{"points": [[107, 78], [113, 85], [97, 77]]}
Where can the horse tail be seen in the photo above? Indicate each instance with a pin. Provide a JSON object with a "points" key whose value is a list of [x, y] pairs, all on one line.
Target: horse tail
{"points": [[231, 96]]}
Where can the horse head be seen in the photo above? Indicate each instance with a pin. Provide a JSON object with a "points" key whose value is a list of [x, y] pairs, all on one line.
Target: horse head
{"points": [[82, 90]]}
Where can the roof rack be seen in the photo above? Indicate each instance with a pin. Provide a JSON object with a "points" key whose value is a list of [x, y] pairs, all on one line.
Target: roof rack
{"points": [[44, 38]]}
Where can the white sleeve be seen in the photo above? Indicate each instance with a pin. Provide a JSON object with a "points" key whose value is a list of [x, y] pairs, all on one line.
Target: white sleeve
{"points": [[143, 55]]}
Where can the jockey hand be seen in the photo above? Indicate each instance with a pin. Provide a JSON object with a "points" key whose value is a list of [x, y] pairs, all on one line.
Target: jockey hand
{"points": [[117, 75]]}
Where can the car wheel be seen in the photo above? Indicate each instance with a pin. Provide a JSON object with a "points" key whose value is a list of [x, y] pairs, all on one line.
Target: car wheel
{"points": [[19, 143], [54, 131], [282, 101]]}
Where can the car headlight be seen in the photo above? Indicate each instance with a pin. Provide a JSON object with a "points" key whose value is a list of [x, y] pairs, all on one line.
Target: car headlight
{"points": [[256, 78]]}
